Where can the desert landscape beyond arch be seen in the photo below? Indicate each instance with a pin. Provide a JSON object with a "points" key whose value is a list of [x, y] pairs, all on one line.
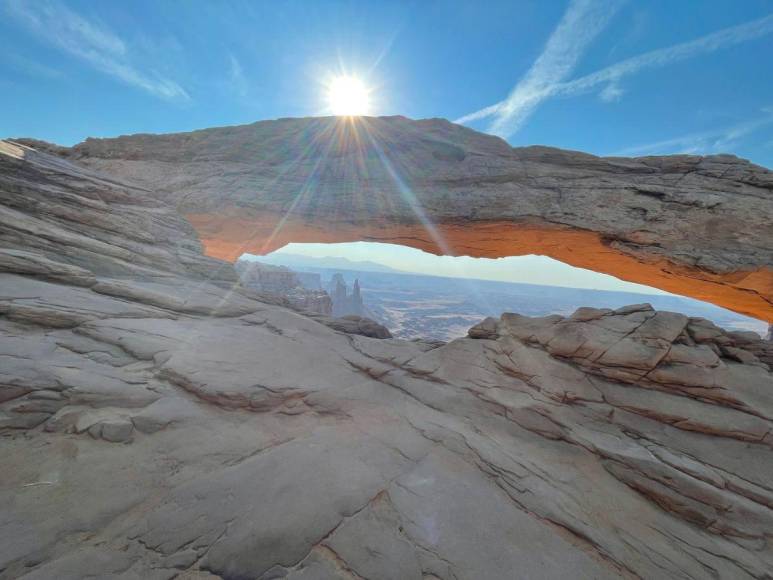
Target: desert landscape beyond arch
{"points": [[228, 237]]}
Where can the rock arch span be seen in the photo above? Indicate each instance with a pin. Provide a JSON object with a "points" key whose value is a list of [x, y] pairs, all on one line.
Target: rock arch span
{"points": [[692, 225], [227, 237]]}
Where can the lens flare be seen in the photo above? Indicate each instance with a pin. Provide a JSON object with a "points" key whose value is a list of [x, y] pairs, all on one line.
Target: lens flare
{"points": [[348, 96]]}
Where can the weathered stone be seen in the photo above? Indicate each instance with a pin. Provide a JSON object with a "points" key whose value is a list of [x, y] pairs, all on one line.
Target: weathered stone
{"points": [[585, 313], [271, 444], [739, 354], [354, 325], [484, 329], [163, 413], [62, 214], [645, 307], [21, 262], [22, 420], [626, 217], [116, 431]]}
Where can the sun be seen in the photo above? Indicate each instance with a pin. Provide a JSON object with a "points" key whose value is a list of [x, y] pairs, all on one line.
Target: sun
{"points": [[347, 96]]}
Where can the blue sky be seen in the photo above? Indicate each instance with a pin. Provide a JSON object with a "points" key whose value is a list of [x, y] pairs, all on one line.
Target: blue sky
{"points": [[603, 76], [632, 77]]}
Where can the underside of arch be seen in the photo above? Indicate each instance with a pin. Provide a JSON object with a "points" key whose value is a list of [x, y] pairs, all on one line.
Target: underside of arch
{"points": [[227, 236]]}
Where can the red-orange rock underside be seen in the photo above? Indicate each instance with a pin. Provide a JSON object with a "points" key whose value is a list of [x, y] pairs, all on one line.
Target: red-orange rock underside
{"points": [[750, 293]]}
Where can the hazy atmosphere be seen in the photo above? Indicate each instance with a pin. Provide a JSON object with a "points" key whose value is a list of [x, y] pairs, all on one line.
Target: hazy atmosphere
{"points": [[525, 269]]}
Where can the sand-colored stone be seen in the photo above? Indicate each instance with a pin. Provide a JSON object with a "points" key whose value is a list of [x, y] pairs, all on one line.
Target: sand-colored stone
{"points": [[692, 225], [157, 422]]}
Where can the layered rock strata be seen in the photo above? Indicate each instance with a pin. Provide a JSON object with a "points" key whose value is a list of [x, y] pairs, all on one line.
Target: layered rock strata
{"points": [[158, 425]]}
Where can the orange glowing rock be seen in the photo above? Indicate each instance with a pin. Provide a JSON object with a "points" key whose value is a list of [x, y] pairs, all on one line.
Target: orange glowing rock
{"points": [[228, 237]]}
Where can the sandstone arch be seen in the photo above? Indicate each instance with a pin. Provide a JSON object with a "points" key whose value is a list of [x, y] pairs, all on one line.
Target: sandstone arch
{"points": [[227, 237], [697, 226]]}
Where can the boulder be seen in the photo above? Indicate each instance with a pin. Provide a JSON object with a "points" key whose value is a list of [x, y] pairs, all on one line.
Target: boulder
{"points": [[117, 431]]}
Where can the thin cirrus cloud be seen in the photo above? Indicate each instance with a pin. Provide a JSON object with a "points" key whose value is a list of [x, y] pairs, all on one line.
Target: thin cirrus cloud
{"points": [[27, 66], [665, 56], [238, 82], [713, 141], [579, 26], [92, 43], [515, 110]]}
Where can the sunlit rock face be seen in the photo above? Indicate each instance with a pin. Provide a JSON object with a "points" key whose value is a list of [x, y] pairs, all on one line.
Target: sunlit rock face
{"points": [[697, 226], [159, 420]]}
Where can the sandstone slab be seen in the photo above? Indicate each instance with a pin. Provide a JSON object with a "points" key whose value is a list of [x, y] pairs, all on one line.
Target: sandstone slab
{"points": [[159, 421]]}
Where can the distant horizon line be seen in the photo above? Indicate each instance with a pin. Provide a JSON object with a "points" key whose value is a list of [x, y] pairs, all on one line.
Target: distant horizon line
{"points": [[399, 272]]}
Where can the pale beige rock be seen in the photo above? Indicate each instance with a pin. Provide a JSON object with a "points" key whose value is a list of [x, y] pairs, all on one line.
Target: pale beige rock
{"points": [[30, 263], [116, 431], [163, 424], [352, 324], [484, 329]]}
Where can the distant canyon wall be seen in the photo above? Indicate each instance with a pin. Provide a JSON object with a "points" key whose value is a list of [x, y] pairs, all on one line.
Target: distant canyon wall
{"points": [[285, 283]]}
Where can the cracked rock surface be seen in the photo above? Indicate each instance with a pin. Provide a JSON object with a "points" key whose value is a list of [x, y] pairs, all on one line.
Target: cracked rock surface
{"points": [[158, 421]]}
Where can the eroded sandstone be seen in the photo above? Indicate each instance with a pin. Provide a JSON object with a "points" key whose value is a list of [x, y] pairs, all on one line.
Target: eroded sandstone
{"points": [[697, 226], [160, 423]]}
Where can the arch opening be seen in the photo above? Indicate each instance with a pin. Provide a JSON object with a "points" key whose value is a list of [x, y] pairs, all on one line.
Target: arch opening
{"points": [[229, 234], [417, 295]]}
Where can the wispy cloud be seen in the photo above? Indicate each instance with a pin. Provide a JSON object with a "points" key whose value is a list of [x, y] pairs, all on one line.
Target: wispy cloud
{"points": [[236, 76], [521, 103], [705, 142], [611, 93], [93, 43], [669, 55], [27, 66], [579, 26]]}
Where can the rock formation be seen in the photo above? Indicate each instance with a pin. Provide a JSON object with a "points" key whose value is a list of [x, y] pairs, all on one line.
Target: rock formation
{"points": [[282, 281], [267, 278], [345, 304], [159, 420], [309, 280], [317, 301], [697, 226]]}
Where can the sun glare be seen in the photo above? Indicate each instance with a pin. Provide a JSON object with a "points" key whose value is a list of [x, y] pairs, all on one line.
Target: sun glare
{"points": [[348, 96]]}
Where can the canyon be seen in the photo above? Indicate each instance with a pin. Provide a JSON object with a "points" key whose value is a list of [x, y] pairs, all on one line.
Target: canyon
{"points": [[159, 419], [442, 308]]}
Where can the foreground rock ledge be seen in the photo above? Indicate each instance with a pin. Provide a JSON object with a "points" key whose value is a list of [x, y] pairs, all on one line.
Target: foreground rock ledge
{"points": [[158, 421], [697, 226]]}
